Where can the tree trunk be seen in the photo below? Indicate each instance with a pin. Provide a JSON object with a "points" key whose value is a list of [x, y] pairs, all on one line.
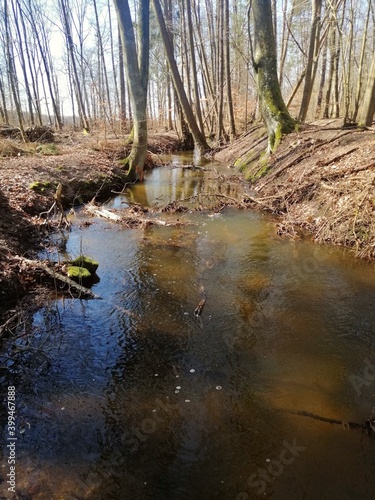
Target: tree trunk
{"points": [[232, 126], [106, 91], [137, 69], [12, 70], [199, 139], [322, 81], [4, 113], [70, 45], [121, 69], [274, 112], [194, 66], [361, 64], [368, 107], [312, 55]]}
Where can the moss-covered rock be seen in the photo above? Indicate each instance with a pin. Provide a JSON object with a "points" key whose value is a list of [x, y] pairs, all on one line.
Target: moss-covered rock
{"points": [[86, 262], [77, 273]]}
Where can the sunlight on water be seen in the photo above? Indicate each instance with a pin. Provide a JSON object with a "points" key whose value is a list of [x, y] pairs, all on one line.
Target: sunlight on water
{"points": [[134, 397]]}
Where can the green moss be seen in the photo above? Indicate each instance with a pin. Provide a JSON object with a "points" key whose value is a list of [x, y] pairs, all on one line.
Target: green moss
{"points": [[41, 186], [259, 171], [77, 273], [254, 165], [85, 262], [246, 161]]}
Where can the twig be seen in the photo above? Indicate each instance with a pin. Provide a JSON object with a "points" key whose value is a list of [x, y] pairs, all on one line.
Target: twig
{"points": [[8, 322]]}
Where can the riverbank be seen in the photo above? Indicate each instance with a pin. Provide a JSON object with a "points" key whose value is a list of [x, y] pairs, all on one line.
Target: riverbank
{"points": [[86, 166], [321, 180]]}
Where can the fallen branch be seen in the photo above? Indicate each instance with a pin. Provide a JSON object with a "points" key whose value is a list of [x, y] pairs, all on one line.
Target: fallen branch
{"points": [[336, 158], [102, 212], [351, 171], [198, 310], [37, 264]]}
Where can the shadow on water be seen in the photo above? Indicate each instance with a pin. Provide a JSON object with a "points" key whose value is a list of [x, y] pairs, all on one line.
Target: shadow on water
{"points": [[134, 397]]}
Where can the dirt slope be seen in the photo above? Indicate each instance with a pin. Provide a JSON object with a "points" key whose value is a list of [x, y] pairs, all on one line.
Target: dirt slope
{"points": [[320, 179]]}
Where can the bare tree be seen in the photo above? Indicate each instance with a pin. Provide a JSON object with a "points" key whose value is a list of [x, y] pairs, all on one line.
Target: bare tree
{"points": [[311, 59], [199, 139], [65, 14]]}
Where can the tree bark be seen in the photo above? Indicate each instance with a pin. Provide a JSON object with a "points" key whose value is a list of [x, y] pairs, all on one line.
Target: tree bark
{"points": [[137, 70], [121, 69], [274, 112]]}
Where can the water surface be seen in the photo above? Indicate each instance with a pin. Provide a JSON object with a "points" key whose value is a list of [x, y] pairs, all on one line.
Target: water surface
{"points": [[133, 397]]}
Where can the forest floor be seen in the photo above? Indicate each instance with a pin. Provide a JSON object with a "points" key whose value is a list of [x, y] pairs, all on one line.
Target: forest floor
{"points": [[321, 180]]}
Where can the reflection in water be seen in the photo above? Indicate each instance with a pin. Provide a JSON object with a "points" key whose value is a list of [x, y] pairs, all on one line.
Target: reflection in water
{"points": [[133, 397]]}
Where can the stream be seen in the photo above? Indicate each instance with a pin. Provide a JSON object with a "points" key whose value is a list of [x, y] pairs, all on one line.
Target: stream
{"points": [[134, 397]]}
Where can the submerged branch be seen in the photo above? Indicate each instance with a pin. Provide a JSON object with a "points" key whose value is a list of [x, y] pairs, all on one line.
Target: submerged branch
{"points": [[367, 426]]}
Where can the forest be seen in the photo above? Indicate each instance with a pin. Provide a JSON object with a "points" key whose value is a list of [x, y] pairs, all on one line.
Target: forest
{"points": [[187, 245], [62, 63]]}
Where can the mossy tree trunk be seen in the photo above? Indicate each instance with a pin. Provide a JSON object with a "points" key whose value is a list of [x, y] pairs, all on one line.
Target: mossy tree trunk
{"points": [[274, 112], [137, 70]]}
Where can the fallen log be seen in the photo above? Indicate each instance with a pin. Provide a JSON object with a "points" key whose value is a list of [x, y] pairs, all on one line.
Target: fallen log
{"points": [[37, 264]]}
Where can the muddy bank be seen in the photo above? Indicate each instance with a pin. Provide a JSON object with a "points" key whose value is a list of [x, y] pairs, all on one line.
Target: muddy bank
{"points": [[321, 179], [86, 167]]}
